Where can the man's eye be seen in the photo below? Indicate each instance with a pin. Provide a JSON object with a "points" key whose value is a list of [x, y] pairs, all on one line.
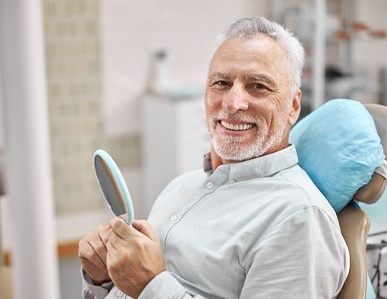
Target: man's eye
{"points": [[221, 83], [259, 86]]}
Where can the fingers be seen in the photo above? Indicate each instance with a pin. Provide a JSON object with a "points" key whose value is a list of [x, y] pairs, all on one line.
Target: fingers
{"points": [[134, 255], [119, 227], [93, 247], [123, 217], [92, 253], [144, 227], [118, 235], [125, 231], [121, 234], [103, 233]]}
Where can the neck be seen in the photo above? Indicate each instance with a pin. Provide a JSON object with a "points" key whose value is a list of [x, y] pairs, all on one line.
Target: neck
{"points": [[216, 160]]}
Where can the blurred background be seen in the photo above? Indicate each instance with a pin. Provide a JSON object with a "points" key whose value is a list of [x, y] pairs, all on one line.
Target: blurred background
{"points": [[128, 76]]}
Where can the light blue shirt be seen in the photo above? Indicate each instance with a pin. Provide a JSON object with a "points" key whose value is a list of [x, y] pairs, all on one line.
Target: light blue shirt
{"points": [[254, 229]]}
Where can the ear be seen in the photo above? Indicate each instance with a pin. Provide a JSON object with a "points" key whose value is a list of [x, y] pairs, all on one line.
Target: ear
{"points": [[295, 108]]}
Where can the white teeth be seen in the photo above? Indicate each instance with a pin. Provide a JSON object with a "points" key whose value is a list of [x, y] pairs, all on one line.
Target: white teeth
{"points": [[241, 127]]}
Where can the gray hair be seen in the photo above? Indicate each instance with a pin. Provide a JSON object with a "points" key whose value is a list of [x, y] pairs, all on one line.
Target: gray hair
{"points": [[250, 27]]}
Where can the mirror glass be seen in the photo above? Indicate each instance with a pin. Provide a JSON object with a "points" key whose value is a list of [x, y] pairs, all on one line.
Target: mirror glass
{"points": [[113, 185]]}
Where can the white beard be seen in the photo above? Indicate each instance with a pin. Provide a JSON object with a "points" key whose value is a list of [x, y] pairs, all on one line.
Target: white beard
{"points": [[232, 148]]}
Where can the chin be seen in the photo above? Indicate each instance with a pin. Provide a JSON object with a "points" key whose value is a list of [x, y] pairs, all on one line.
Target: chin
{"points": [[236, 154]]}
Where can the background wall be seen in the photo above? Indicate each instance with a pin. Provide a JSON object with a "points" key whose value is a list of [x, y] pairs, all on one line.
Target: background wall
{"points": [[132, 32], [370, 54], [98, 57]]}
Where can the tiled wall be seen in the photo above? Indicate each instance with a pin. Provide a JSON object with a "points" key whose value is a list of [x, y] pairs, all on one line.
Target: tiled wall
{"points": [[73, 59]]}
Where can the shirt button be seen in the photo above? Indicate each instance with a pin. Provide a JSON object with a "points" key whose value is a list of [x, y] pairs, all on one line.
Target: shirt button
{"points": [[210, 185], [120, 294], [232, 181], [173, 217]]}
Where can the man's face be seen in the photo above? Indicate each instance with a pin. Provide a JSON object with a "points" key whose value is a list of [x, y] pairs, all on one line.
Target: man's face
{"points": [[249, 108]]}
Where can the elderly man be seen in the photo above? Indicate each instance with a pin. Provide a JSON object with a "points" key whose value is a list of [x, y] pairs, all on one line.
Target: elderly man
{"points": [[252, 224]]}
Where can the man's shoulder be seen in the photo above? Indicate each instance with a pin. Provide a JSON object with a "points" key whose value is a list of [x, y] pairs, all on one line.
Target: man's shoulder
{"points": [[309, 194]]}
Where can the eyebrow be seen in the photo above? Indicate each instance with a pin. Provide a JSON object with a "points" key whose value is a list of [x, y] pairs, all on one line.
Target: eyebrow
{"points": [[220, 75]]}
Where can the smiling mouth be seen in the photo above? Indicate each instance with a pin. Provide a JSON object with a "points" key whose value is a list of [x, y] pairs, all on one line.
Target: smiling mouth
{"points": [[236, 127]]}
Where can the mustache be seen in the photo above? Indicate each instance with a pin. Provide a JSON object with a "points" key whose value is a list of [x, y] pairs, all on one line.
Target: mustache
{"points": [[236, 116]]}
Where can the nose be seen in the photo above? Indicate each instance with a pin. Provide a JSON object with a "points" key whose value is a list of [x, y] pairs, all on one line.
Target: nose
{"points": [[235, 99]]}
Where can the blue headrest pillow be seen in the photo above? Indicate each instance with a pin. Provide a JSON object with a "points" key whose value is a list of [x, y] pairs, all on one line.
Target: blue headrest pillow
{"points": [[339, 147]]}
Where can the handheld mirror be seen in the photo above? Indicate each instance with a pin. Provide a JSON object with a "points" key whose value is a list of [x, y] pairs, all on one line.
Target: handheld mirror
{"points": [[113, 185]]}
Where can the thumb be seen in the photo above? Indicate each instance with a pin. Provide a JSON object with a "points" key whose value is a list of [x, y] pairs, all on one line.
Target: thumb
{"points": [[145, 228]]}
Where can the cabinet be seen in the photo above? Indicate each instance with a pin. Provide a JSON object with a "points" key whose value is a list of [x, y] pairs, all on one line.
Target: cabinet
{"points": [[174, 140], [308, 21], [341, 43]]}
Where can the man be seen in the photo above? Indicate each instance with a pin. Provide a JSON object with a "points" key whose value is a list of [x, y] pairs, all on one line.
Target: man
{"points": [[253, 225]]}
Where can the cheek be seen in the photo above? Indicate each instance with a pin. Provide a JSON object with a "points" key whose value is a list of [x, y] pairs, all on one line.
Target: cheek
{"points": [[268, 117], [208, 111], [211, 104], [211, 99]]}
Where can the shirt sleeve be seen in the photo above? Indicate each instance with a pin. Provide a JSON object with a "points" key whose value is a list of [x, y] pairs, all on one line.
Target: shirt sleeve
{"points": [[165, 286], [90, 291], [304, 256]]}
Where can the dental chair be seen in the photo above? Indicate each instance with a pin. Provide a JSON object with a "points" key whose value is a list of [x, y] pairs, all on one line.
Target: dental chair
{"points": [[354, 222]]}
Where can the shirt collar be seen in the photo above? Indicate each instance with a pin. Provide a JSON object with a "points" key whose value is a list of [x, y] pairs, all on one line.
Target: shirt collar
{"points": [[259, 167]]}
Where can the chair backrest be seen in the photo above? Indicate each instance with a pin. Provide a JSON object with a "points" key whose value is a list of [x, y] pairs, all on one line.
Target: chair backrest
{"points": [[354, 222]]}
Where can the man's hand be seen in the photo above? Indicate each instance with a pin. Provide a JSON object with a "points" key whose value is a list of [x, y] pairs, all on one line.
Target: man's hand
{"points": [[134, 255], [92, 254]]}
